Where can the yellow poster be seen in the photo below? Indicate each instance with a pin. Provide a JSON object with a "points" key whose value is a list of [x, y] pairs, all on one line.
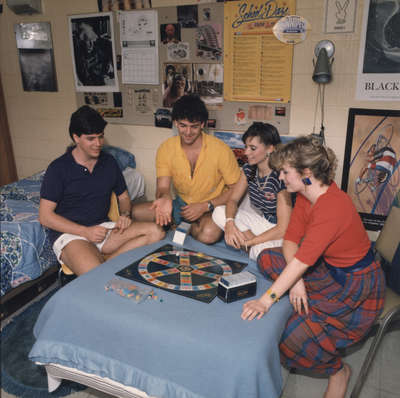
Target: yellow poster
{"points": [[257, 66]]}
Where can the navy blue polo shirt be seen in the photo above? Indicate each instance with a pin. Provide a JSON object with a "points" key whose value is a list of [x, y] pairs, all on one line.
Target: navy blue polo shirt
{"points": [[81, 196]]}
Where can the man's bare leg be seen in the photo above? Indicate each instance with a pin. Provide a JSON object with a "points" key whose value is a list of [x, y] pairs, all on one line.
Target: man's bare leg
{"points": [[143, 212], [138, 234], [205, 230], [337, 385], [80, 256]]}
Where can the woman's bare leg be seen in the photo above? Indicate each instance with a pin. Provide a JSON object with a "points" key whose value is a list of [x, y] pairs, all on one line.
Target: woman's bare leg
{"points": [[337, 385]]}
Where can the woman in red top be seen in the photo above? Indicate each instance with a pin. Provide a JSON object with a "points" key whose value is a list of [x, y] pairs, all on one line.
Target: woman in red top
{"points": [[335, 286]]}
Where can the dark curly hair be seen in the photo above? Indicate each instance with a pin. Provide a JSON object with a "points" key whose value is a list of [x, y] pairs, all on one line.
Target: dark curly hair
{"points": [[190, 107]]}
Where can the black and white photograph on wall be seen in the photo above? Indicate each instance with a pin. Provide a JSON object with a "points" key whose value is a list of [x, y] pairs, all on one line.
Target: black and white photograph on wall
{"points": [[209, 42], [123, 5], [170, 33], [92, 43], [379, 61], [177, 82], [371, 170], [208, 82], [188, 16], [36, 58]]}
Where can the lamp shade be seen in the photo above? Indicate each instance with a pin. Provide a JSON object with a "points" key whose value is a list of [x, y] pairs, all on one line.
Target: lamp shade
{"points": [[322, 70]]}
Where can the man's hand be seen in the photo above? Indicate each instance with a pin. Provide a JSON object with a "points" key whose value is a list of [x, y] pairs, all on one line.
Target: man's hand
{"points": [[298, 297], [96, 233], [233, 236], [124, 221], [256, 308], [194, 211], [163, 210]]}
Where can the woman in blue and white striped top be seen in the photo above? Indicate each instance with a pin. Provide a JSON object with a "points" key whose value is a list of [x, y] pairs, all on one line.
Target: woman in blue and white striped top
{"points": [[262, 224]]}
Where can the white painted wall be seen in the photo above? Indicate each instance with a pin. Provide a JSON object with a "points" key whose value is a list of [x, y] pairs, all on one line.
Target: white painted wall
{"points": [[39, 121]]}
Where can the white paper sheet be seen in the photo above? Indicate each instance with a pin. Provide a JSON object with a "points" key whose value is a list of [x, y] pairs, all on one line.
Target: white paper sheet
{"points": [[139, 43]]}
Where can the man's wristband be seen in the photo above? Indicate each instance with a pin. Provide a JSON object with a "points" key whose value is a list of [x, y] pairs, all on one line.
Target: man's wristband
{"points": [[272, 295], [229, 219], [126, 214]]}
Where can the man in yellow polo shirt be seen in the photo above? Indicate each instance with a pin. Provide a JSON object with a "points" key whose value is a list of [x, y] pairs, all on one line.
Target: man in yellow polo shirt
{"points": [[201, 168]]}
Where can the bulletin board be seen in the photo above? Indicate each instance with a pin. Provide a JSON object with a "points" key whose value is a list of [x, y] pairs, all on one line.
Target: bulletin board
{"points": [[189, 46]]}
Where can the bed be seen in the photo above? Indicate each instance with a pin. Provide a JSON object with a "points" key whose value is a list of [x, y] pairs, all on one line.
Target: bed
{"points": [[27, 260], [172, 347]]}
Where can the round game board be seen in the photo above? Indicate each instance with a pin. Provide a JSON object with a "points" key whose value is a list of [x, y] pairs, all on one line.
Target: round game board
{"points": [[183, 270]]}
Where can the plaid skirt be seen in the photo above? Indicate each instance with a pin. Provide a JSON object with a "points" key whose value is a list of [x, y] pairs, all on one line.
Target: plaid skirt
{"points": [[339, 315]]}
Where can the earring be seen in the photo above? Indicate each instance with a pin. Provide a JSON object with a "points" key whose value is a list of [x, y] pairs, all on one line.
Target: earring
{"points": [[266, 156], [306, 181]]}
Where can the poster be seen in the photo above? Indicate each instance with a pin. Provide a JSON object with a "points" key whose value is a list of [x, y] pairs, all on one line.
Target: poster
{"points": [[93, 53], [340, 16], [139, 43], [36, 57], [120, 5], [371, 173], [379, 61], [257, 66]]}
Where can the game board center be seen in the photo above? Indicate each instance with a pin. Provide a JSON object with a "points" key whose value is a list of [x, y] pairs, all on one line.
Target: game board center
{"points": [[185, 268]]}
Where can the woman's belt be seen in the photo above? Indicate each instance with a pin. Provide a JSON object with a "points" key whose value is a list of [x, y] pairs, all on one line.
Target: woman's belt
{"points": [[339, 274]]}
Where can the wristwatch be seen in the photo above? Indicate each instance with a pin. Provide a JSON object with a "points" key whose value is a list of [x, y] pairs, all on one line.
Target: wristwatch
{"points": [[272, 295], [210, 206]]}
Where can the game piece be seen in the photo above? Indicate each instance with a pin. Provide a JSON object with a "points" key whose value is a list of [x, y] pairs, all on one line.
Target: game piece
{"points": [[128, 290]]}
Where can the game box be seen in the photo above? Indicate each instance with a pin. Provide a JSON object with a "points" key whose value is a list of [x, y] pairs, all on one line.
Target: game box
{"points": [[237, 287]]}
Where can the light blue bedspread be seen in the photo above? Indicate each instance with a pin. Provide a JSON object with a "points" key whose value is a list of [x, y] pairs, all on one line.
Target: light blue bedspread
{"points": [[175, 348]]}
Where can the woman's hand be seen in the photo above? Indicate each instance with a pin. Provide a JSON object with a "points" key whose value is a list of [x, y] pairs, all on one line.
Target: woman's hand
{"points": [[233, 236], [256, 308], [298, 297]]}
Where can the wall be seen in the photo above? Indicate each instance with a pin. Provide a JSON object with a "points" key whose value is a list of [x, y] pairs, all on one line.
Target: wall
{"points": [[39, 121]]}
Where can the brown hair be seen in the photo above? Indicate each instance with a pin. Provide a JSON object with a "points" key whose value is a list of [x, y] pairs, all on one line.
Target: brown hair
{"points": [[306, 152]]}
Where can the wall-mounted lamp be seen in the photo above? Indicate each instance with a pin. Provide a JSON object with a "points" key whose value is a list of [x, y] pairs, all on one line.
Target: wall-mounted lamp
{"points": [[322, 75], [324, 51]]}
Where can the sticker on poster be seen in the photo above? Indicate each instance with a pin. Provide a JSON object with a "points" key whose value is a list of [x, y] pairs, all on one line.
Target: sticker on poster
{"points": [[142, 100], [163, 118], [208, 82], [95, 98], [291, 29], [208, 41], [110, 112], [178, 51], [240, 117], [260, 112]]}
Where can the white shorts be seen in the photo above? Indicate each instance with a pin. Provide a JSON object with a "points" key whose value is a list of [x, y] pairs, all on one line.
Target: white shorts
{"points": [[64, 239], [248, 220]]}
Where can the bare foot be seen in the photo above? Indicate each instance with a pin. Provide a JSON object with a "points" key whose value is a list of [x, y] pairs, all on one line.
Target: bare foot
{"points": [[337, 385]]}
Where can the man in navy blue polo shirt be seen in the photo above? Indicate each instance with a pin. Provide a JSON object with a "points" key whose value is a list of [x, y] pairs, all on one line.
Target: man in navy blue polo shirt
{"points": [[75, 200]]}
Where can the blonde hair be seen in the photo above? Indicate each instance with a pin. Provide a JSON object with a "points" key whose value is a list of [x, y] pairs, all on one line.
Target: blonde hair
{"points": [[306, 152]]}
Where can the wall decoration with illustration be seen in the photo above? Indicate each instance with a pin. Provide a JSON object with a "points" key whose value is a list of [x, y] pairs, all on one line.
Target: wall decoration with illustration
{"points": [[188, 42], [371, 172]]}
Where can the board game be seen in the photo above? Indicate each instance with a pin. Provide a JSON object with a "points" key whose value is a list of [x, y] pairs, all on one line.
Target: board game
{"points": [[189, 273]]}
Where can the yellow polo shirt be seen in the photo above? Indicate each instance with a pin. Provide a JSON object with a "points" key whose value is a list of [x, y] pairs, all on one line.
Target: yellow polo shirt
{"points": [[216, 167]]}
